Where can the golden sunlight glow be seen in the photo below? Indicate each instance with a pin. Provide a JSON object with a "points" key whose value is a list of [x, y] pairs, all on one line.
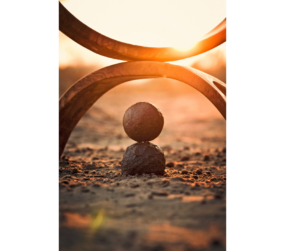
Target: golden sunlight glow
{"points": [[159, 24], [184, 46]]}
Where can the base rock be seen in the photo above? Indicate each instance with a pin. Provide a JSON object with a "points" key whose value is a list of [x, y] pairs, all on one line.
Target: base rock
{"points": [[142, 158]]}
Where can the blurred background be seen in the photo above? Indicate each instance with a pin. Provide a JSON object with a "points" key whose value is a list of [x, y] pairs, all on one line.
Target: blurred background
{"points": [[190, 119]]}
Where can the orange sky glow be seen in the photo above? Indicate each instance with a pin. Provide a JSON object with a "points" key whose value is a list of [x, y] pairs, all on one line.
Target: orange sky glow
{"points": [[156, 23]]}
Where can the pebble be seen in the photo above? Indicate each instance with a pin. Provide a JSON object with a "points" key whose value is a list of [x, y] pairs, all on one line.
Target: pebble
{"points": [[142, 158], [184, 172], [206, 158], [170, 164], [185, 158], [197, 153], [179, 166], [75, 170], [143, 122], [199, 171]]}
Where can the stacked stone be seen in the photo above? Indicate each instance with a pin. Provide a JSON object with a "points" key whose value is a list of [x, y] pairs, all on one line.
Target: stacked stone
{"points": [[143, 122]]}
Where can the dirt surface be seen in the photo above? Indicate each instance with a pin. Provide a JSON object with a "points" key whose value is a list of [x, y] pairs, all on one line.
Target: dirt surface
{"points": [[184, 209]]}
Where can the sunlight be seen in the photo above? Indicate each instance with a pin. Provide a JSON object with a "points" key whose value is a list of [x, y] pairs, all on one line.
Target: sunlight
{"points": [[184, 46], [158, 25]]}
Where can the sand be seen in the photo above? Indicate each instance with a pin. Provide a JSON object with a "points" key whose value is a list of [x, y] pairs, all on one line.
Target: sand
{"points": [[184, 209]]}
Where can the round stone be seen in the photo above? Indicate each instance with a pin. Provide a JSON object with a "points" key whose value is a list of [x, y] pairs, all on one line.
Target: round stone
{"points": [[142, 158], [143, 122]]}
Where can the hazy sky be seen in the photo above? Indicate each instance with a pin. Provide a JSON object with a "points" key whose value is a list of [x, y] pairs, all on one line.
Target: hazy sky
{"points": [[156, 23]]}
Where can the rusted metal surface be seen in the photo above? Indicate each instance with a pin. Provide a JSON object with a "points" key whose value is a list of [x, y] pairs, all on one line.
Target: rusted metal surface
{"points": [[105, 46], [84, 93], [142, 158], [143, 122]]}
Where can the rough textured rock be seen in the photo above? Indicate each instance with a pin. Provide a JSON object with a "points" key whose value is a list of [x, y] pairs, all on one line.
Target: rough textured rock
{"points": [[143, 122], [142, 158]]}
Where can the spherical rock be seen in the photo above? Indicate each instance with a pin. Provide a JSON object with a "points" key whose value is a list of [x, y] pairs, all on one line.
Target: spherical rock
{"points": [[143, 122], [142, 158]]}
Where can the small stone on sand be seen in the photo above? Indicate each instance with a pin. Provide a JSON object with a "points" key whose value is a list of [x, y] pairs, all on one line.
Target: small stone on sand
{"points": [[170, 164], [142, 158]]}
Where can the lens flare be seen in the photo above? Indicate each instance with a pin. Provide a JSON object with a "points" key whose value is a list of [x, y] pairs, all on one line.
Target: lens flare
{"points": [[97, 221]]}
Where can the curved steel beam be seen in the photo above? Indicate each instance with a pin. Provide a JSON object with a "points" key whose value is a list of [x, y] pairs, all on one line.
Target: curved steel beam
{"points": [[84, 93], [105, 46]]}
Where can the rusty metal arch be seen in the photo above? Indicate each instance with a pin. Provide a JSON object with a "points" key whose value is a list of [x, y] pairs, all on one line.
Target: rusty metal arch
{"points": [[85, 92], [105, 46]]}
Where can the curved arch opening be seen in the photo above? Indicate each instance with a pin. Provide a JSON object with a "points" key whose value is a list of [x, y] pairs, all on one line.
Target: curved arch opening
{"points": [[189, 117], [106, 46], [168, 28], [83, 94]]}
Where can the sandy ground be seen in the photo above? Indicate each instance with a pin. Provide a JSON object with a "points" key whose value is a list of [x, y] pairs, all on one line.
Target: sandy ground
{"points": [[185, 209]]}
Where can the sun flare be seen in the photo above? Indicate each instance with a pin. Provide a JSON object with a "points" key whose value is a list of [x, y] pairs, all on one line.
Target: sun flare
{"points": [[184, 46]]}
